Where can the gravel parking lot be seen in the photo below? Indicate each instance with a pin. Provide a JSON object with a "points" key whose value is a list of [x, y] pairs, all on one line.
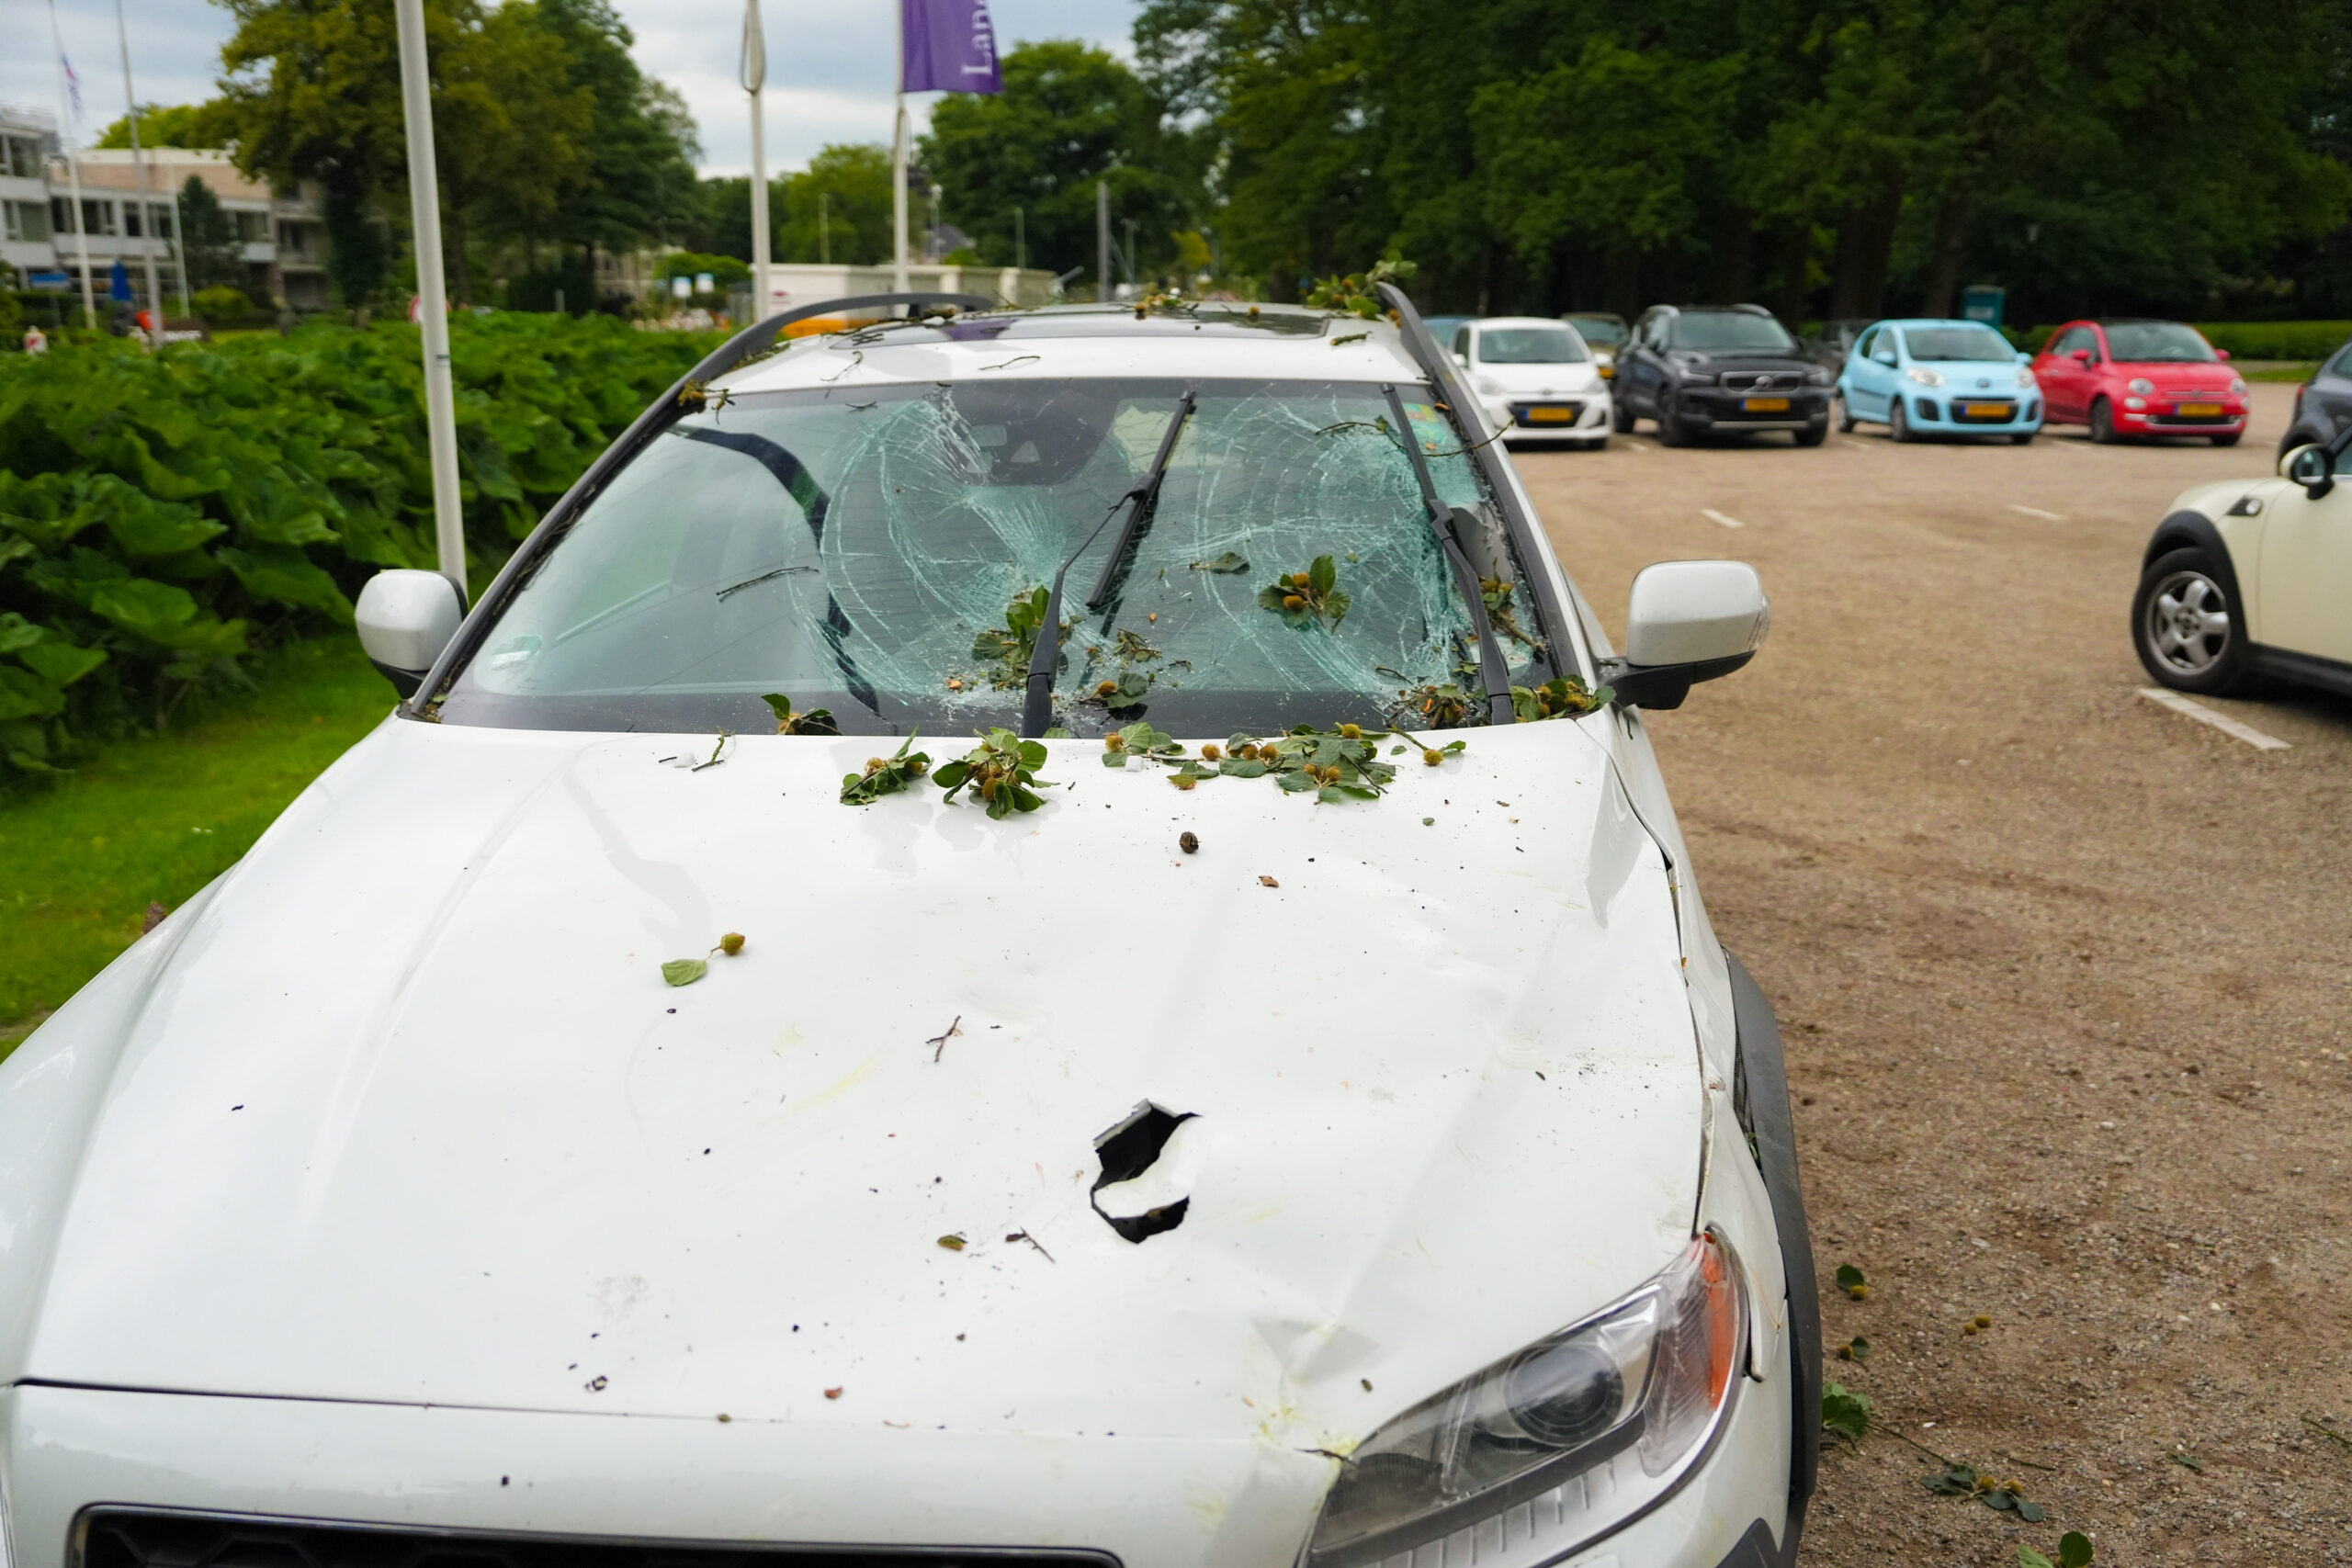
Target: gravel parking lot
{"points": [[2063, 975]]}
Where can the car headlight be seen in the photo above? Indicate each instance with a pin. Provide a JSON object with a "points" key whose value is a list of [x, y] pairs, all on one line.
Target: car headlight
{"points": [[1818, 376], [2025, 378], [2140, 384], [2237, 385], [1631, 1391], [1487, 385], [1925, 378]]}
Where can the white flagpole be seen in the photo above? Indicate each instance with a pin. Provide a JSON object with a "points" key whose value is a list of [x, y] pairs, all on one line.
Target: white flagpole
{"points": [[424, 209], [898, 164], [754, 78], [146, 207], [73, 172]]}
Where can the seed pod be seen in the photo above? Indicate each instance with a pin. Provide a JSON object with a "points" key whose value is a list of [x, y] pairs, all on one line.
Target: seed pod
{"points": [[874, 766], [1212, 752], [1292, 600], [1115, 741], [732, 943], [987, 788], [1352, 731], [1249, 753], [1183, 781], [1983, 1321], [1432, 758], [1106, 688], [1301, 579], [1189, 842]]}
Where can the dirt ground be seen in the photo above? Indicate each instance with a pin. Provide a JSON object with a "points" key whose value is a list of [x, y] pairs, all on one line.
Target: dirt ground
{"points": [[2063, 977]]}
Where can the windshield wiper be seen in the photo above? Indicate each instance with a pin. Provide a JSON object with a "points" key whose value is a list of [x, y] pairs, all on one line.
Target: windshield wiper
{"points": [[1443, 522], [1147, 497], [1038, 706]]}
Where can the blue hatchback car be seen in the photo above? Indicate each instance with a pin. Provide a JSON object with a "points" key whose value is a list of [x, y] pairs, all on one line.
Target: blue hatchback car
{"points": [[1938, 377]]}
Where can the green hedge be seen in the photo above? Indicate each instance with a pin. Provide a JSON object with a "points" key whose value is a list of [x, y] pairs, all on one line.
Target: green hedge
{"points": [[160, 514], [2298, 341]]}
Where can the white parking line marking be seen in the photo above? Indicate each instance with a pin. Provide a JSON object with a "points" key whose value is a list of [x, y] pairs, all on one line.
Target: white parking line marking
{"points": [[1636, 445], [1858, 445], [2221, 721], [1726, 521], [2036, 512]]}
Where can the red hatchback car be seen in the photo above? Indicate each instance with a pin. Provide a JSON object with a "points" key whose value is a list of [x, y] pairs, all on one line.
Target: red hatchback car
{"points": [[2131, 378]]}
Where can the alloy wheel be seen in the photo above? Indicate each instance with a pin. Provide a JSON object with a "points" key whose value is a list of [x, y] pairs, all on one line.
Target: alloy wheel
{"points": [[2187, 624]]}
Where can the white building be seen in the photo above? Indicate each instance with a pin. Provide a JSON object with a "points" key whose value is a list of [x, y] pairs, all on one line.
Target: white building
{"points": [[280, 238]]}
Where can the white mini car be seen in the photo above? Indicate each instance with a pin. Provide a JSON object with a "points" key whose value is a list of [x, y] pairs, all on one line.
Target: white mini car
{"points": [[1536, 378], [2252, 578], [631, 1110]]}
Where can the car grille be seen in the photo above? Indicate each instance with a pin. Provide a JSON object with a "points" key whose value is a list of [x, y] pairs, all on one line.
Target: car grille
{"points": [[127, 1538], [2194, 418], [1763, 380]]}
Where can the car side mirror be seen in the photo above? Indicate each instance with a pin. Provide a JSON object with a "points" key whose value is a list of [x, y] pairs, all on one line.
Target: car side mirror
{"points": [[2024, 358], [1688, 621], [2081, 356], [2221, 354], [1463, 360], [405, 619], [2313, 468]]}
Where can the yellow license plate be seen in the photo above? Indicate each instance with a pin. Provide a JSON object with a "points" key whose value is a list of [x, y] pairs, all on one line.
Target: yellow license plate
{"points": [[1550, 416], [1765, 405], [1988, 411], [2200, 408]]}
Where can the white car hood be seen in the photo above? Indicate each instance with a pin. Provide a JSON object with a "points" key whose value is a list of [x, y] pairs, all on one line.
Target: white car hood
{"points": [[411, 1116], [1540, 379]]}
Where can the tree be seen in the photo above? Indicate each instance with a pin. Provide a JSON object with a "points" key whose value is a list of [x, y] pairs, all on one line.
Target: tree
{"points": [[175, 125], [208, 239], [1069, 115], [638, 185]]}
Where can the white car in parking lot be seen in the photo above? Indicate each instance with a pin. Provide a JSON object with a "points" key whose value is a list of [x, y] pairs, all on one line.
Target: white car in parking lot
{"points": [[2252, 578], [1536, 378], [1273, 1096]]}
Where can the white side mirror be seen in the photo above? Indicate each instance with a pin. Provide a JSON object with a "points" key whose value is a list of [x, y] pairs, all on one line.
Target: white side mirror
{"points": [[1689, 621], [1462, 360], [405, 619]]}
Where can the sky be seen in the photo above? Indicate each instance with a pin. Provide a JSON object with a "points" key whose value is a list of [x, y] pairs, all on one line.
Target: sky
{"points": [[831, 62]]}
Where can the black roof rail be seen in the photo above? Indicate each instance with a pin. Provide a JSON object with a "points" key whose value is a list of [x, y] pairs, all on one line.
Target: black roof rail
{"points": [[666, 411]]}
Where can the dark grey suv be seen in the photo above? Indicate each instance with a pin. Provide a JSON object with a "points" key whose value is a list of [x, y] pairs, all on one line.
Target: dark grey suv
{"points": [[2322, 405], [1707, 370]]}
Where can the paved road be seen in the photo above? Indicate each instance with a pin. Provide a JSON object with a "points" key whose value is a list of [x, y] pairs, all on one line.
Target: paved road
{"points": [[2065, 977]]}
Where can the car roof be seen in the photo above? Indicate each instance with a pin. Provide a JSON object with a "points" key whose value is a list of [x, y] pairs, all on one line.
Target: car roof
{"points": [[1935, 322], [1208, 341], [1522, 322]]}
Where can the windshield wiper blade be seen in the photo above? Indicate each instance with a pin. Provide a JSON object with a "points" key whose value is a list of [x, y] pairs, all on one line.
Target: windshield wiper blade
{"points": [[1147, 497], [1039, 705], [1492, 671]]}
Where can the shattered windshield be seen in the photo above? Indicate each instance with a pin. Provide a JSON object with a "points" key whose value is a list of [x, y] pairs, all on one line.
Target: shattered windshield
{"points": [[885, 554]]}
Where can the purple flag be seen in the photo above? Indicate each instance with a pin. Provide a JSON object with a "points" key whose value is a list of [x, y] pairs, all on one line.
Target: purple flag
{"points": [[950, 45]]}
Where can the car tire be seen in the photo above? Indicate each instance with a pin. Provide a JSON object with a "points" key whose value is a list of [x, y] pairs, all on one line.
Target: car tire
{"points": [[2022, 438], [1811, 435], [2102, 423], [1845, 415], [2229, 440], [1898, 423], [2180, 598], [1671, 430], [1621, 417]]}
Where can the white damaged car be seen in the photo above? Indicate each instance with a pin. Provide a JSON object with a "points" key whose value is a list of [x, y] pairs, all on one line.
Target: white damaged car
{"points": [[1015, 938]]}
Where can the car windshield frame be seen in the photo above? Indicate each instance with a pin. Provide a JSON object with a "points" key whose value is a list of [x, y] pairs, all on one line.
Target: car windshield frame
{"points": [[1374, 510], [1753, 333], [1935, 345], [1532, 345], [2128, 342]]}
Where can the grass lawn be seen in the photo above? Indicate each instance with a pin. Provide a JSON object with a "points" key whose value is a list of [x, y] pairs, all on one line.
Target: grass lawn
{"points": [[153, 820]]}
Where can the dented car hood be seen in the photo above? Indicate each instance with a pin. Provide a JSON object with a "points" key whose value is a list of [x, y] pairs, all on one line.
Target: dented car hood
{"points": [[410, 1115]]}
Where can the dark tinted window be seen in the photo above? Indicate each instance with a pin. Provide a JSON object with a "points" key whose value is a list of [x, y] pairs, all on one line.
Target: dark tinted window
{"points": [[1730, 332], [2157, 343]]}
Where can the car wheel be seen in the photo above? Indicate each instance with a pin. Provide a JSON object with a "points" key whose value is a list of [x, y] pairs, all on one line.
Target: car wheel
{"points": [[1811, 435], [2229, 440], [1898, 421], [1845, 415], [1621, 417], [2022, 438], [2184, 625], [1671, 430], [2103, 423]]}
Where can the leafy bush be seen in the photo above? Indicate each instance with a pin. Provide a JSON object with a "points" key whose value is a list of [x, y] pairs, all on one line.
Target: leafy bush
{"points": [[160, 514], [726, 271], [221, 306], [2276, 340]]}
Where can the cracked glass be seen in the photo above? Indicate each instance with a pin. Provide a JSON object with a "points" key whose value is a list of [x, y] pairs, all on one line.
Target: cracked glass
{"points": [[860, 551]]}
